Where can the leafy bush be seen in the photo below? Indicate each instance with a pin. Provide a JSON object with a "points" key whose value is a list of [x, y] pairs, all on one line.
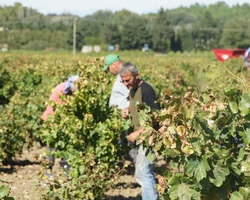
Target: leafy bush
{"points": [[86, 132], [35, 45], [25, 83], [206, 143], [4, 192], [93, 40]]}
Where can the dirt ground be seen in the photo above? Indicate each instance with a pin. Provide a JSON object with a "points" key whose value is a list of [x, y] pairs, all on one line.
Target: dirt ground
{"points": [[25, 177]]}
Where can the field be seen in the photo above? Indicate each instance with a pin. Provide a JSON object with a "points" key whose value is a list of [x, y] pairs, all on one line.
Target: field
{"points": [[197, 157]]}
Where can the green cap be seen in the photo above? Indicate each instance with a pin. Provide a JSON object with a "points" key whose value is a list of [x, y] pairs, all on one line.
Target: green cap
{"points": [[110, 59]]}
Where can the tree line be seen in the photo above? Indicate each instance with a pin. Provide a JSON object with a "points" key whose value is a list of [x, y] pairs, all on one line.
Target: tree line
{"points": [[197, 27]]}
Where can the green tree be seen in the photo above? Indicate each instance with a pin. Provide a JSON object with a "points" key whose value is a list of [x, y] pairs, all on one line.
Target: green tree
{"points": [[206, 34], [110, 34], [181, 17], [236, 34], [176, 42], [100, 16], [162, 32], [135, 34], [79, 38], [186, 39], [93, 40], [84, 28], [123, 16]]}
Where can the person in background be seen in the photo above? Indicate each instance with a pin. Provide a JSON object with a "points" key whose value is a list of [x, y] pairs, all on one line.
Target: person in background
{"points": [[140, 92], [247, 55], [65, 88], [119, 94]]}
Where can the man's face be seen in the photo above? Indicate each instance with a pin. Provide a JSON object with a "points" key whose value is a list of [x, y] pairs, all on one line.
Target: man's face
{"points": [[130, 81], [113, 68]]}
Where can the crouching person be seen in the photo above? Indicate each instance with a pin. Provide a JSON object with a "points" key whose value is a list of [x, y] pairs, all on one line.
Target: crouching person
{"points": [[65, 88]]}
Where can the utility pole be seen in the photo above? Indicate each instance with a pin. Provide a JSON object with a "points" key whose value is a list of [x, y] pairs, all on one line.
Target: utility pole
{"points": [[74, 37]]}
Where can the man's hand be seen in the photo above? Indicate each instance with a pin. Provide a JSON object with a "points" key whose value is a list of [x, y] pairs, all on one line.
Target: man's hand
{"points": [[125, 113], [133, 136]]}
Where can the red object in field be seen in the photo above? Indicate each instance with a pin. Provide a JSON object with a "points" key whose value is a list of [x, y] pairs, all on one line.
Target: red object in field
{"points": [[224, 54]]}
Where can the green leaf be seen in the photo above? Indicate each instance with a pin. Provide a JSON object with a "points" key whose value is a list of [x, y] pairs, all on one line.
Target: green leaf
{"points": [[235, 167], [244, 104], [82, 169], [173, 192], [234, 107], [75, 173], [182, 191], [126, 124], [241, 155], [167, 173], [151, 157], [54, 134], [158, 146], [197, 147], [191, 166], [222, 153], [172, 153], [243, 109], [245, 191], [4, 191], [197, 168], [185, 192], [190, 112], [205, 163], [146, 133], [220, 172], [236, 196], [245, 166], [245, 99], [200, 172], [174, 181], [245, 136], [61, 144], [229, 91]]}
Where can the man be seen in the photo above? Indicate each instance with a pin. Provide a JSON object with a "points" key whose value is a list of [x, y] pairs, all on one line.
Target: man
{"points": [[64, 88], [119, 94], [140, 92]]}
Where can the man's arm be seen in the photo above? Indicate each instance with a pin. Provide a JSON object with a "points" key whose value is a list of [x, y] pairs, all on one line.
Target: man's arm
{"points": [[133, 136]]}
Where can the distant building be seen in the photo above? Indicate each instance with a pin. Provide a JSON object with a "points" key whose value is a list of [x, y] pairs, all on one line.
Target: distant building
{"points": [[97, 48], [4, 47], [86, 49], [1, 29]]}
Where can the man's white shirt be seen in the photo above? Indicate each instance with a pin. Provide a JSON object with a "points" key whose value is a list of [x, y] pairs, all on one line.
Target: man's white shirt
{"points": [[119, 94]]}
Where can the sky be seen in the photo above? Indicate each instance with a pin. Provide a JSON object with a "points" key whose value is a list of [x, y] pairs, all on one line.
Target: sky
{"points": [[83, 8]]}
